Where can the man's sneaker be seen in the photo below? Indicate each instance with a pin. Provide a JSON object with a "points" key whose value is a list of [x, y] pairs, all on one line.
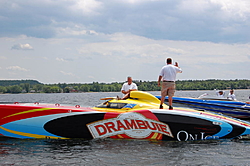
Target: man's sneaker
{"points": [[171, 108], [161, 107]]}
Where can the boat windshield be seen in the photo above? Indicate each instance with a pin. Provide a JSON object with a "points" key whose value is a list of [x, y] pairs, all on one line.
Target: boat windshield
{"points": [[112, 105]]}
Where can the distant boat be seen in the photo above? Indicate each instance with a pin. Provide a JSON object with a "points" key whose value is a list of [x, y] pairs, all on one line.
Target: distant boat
{"points": [[232, 108]]}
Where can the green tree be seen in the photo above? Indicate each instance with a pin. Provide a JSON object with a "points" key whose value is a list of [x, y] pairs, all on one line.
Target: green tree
{"points": [[3, 89], [15, 89], [76, 88], [84, 88], [55, 89], [66, 90], [38, 87], [27, 87], [47, 89], [95, 87]]}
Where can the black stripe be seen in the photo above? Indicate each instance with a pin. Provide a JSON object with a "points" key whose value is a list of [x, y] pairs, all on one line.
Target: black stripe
{"points": [[237, 130]]}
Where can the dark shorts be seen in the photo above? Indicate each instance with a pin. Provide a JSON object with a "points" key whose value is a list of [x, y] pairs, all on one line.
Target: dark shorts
{"points": [[167, 88]]}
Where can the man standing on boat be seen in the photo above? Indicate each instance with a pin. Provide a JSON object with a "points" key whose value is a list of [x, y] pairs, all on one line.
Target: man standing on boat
{"points": [[128, 87], [168, 77]]}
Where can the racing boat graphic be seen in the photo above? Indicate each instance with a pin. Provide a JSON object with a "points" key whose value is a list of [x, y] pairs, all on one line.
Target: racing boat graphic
{"points": [[137, 117]]}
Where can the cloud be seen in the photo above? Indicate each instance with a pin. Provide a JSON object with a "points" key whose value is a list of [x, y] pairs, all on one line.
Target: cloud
{"points": [[16, 68], [61, 59], [108, 40], [190, 20], [91, 77], [87, 7], [122, 54], [75, 31], [234, 9], [3, 57], [64, 59], [67, 73], [22, 47], [122, 47]]}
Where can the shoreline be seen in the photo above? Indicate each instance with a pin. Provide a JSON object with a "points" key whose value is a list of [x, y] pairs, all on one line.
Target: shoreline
{"points": [[119, 91]]}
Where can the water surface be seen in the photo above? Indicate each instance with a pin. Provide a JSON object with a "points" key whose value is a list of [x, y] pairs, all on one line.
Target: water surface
{"points": [[106, 152]]}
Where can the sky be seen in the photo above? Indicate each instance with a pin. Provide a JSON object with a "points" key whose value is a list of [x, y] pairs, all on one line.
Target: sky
{"points": [[85, 41]]}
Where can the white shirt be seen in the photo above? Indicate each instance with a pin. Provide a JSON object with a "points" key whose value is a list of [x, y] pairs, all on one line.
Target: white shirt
{"points": [[169, 72], [126, 86], [220, 96], [231, 96]]}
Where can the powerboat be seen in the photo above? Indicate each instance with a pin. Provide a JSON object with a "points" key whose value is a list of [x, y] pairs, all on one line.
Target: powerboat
{"points": [[137, 117], [236, 109]]}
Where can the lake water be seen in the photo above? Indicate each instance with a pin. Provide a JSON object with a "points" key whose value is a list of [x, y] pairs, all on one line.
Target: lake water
{"points": [[108, 152]]}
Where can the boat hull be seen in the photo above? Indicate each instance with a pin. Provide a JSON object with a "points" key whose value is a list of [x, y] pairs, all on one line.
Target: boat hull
{"points": [[63, 122], [235, 109]]}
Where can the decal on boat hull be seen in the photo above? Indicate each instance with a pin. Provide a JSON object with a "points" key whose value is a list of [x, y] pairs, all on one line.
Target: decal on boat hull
{"points": [[132, 124]]}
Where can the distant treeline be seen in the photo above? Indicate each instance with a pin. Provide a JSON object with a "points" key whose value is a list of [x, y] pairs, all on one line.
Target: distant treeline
{"points": [[18, 82], [33, 86]]}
